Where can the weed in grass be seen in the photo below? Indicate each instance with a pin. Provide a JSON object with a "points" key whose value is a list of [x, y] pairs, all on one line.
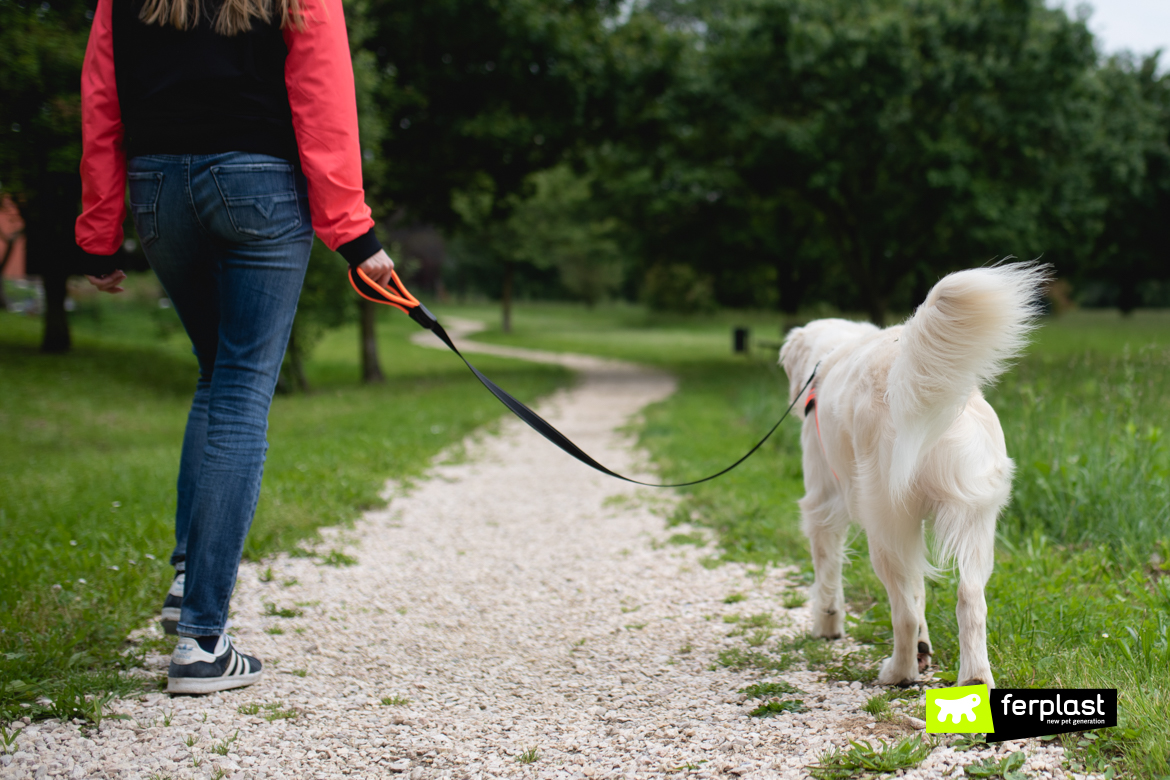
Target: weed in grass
{"points": [[879, 707], [266, 575], [219, 774], [793, 599], [223, 746], [191, 740], [338, 558], [196, 761], [734, 598], [290, 582], [738, 660], [842, 763], [274, 630], [770, 709], [970, 742], [529, 756], [850, 668], [395, 701], [299, 672], [686, 649], [1007, 768], [249, 709], [697, 539], [758, 638], [635, 626], [270, 610], [275, 711], [732, 618], [8, 739], [768, 689]]}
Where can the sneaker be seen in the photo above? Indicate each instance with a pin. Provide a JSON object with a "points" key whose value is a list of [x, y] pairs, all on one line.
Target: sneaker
{"points": [[193, 670], [173, 605]]}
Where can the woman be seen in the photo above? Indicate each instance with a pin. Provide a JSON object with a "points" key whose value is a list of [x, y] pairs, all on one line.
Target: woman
{"points": [[235, 125]]}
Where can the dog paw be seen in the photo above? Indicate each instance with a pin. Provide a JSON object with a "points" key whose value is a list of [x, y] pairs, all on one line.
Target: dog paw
{"points": [[989, 682], [923, 656], [891, 675], [828, 624]]}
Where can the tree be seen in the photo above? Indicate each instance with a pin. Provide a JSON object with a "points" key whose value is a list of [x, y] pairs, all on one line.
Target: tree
{"points": [[1132, 172], [480, 95], [326, 301], [861, 147], [41, 48]]}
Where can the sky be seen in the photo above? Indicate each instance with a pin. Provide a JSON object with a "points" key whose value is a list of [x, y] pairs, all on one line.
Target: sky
{"points": [[1138, 25]]}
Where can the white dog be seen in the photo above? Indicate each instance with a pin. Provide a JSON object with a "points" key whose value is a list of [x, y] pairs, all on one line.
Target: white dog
{"points": [[897, 434]]}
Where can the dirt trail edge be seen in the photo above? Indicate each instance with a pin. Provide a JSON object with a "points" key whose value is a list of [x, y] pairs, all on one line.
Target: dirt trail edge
{"points": [[515, 614]]}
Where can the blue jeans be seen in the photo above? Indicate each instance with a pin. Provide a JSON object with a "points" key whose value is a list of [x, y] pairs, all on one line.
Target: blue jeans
{"points": [[228, 235]]}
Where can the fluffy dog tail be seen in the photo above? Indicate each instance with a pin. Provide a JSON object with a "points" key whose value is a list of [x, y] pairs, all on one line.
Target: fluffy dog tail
{"points": [[962, 337]]}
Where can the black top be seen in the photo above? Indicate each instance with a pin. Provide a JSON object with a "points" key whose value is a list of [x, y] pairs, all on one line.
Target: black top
{"points": [[196, 92]]}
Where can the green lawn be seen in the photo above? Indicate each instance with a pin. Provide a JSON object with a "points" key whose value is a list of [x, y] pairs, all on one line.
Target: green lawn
{"points": [[89, 456], [1080, 596]]}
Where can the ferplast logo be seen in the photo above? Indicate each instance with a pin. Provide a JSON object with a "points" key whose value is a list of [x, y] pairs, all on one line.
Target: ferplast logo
{"points": [[962, 710], [1019, 713]]}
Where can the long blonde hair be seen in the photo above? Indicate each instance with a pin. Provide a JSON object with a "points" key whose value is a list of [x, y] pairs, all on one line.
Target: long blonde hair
{"points": [[234, 16]]}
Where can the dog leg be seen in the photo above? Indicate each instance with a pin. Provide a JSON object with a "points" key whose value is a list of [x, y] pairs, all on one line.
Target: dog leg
{"points": [[825, 526], [925, 649], [975, 554], [902, 667]]}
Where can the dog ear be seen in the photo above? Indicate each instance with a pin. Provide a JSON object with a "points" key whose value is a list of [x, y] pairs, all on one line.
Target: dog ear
{"points": [[793, 357]]}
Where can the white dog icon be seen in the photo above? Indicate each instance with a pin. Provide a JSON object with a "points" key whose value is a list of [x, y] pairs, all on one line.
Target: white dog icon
{"points": [[958, 708]]}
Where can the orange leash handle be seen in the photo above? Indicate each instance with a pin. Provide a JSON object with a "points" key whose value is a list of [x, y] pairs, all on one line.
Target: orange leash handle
{"points": [[398, 296]]}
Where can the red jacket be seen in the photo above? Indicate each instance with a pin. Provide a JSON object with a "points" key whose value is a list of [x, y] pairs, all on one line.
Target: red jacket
{"points": [[318, 75]]}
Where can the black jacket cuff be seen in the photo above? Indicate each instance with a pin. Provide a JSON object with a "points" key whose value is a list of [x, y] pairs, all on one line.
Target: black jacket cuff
{"points": [[360, 249], [100, 265]]}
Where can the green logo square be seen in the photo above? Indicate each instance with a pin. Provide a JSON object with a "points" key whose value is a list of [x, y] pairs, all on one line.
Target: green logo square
{"points": [[963, 710]]}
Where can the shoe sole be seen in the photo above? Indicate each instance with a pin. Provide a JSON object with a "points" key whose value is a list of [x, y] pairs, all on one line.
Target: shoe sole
{"points": [[198, 685]]}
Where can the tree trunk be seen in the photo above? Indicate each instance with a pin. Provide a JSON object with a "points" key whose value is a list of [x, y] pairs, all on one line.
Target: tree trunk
{"points": [[292, 377], [4, 264], [371, 371], [56, 339], [506, 295]]}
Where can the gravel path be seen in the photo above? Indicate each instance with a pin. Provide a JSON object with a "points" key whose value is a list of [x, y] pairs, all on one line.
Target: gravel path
{"points": [[514, 604]]}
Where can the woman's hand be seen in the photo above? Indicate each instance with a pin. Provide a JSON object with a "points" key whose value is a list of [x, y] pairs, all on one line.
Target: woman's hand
{"points": [[111, 283], [378, 267]]}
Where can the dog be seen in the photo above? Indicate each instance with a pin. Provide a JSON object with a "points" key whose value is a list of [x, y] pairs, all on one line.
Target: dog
{"points": [[897, 436]]}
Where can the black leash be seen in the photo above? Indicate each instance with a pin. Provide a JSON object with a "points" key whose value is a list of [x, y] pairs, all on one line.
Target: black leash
{"points": [[405, 302]]}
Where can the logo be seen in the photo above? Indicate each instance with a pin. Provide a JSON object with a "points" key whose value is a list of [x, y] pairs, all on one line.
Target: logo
{"points": [[962, 710], [1019, 713]]}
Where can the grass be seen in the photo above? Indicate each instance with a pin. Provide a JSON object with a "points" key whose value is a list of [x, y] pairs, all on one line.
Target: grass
{"points": [[864, 757], [89, 457], [775, 707], [1079, 597]]}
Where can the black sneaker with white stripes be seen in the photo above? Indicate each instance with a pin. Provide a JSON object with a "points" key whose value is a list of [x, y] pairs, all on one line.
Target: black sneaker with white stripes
{"points": [[194, 670], [173, 604]]}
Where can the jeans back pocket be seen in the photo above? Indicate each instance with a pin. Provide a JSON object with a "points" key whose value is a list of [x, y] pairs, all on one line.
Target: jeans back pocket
{"points": [[261, 198], [144, 189]]}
